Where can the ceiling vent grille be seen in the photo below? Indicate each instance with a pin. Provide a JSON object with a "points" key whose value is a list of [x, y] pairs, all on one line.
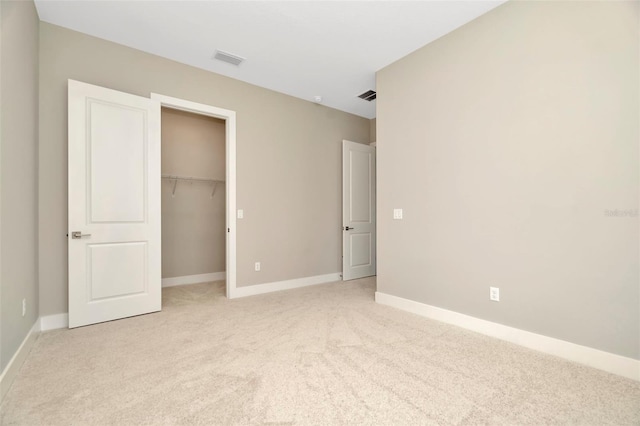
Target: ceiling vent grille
{"points": [[369, 95], [228, 57]]}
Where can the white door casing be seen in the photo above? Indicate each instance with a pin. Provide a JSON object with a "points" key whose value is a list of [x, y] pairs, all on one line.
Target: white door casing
{"points": [[230, 148], [114, 202], [358, 210]]}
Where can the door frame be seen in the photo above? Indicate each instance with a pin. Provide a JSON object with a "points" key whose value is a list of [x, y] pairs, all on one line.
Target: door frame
{"points": [[229, 117]]}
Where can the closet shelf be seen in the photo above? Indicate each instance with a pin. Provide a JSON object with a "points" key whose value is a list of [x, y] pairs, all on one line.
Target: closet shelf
{"points": [[175, 180], [198, 179]]}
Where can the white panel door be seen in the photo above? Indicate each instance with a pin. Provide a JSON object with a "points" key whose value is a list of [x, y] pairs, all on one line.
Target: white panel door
{"points": [[114, 205], [358, 210]]}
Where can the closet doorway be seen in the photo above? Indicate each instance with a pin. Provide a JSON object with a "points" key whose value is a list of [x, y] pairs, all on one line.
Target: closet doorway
{"points": [[198, 193]]}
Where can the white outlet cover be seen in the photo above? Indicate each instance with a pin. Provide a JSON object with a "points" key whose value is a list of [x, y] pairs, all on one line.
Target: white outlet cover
{"points": [[494, 294], [257, 266], [397, 214], [240, 213]]}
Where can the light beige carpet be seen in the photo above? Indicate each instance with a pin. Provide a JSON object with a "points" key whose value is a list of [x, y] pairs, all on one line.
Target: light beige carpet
{"points": [[321, 355]]}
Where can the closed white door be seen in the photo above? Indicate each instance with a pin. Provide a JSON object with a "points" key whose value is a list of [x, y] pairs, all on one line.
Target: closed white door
{"points": [[114, 205], [358, 210]]}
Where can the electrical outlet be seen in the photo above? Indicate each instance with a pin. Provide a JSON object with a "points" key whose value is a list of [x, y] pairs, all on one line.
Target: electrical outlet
{"points": [[240, 214], [397, 214], [494, 294], [257, 266], [24, 307]]}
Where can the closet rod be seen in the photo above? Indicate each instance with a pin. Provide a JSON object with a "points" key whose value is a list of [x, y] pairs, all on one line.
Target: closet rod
{"points": [[191, 178]]}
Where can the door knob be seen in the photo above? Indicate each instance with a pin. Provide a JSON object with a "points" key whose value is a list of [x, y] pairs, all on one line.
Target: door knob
{"points": [[76, 235], [348, 228]]}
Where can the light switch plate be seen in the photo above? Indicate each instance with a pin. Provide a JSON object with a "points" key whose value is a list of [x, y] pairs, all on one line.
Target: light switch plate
{"points": [[240, 213], [397, 213]]}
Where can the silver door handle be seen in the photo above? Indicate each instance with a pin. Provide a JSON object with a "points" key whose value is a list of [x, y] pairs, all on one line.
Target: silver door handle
{"points": [[76, 235]]}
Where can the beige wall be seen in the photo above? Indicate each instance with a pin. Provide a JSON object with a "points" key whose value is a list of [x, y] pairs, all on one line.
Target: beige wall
{"points": [[18, 173], [505, 142], [193, 223], [372, 130], [288, 166]]}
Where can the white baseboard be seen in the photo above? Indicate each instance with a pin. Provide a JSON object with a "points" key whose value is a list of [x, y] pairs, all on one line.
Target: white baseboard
{"points": [[612, 363], [194, 279], [253, 290], [53, 322], [11, 370]]}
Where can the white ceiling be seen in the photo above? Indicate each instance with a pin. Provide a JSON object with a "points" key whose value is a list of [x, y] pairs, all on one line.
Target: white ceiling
{"points": [[301, 48]]}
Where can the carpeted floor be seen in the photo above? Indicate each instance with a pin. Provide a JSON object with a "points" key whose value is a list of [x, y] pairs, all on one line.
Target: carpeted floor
{"points": [[326, 354]]}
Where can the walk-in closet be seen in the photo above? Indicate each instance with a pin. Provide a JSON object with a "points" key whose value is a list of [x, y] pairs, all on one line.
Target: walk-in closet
{"points": [[193, 198]]}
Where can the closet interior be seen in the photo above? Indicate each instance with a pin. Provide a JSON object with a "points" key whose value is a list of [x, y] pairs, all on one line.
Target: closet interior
{"points": [[193, 198]]}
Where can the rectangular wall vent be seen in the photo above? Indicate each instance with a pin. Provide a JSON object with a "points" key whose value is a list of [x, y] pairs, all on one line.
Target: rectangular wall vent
{"points": [[369, 95], [228, 57]]}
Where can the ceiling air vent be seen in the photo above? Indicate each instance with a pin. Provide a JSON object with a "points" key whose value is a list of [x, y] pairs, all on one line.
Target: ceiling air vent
{"points": [[369, 95], [228, 57]]}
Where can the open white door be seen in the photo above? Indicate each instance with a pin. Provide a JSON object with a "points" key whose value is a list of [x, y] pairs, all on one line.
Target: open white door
{"points": [[114, 205], [358, 210]]}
